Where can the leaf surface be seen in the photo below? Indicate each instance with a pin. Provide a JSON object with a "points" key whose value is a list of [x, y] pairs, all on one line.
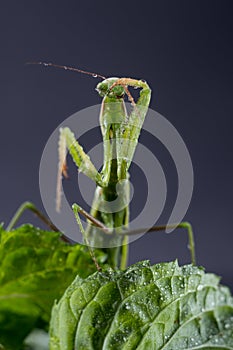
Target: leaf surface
{"points": [[144, 307], [36, 267]]}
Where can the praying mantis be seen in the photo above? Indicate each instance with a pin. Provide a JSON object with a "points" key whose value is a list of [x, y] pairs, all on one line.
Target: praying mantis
{"points": [[108, 220]]}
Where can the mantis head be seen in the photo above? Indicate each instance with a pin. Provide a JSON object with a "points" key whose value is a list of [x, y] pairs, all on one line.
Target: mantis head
{"points": [[104, 88]]}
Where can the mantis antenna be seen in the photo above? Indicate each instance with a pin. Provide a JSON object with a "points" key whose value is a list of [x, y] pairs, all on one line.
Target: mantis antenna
{"points": [[45, 64], [94, 75]]}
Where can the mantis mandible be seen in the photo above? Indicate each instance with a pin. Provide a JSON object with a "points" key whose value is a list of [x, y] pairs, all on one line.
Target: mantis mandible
{"points": [[120, 132]]}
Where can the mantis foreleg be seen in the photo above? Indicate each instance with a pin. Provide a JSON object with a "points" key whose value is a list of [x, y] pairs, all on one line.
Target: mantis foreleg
{"points": [[68, 141], [130, 129]]}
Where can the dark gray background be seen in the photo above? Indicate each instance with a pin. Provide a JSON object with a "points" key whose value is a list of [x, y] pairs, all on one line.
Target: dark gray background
{"points": [[182, 48]]}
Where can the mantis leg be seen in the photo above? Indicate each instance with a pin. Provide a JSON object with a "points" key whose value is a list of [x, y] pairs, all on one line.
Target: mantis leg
{"points": [[91, 218], [130, 130], [145, 93], [96, 228], [76, 209], [68, 141], [183, 225], [30, 206]]}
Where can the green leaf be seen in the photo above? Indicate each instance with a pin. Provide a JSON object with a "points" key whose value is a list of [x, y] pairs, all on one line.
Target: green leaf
{"points": [[35, 269], [145, 308]]}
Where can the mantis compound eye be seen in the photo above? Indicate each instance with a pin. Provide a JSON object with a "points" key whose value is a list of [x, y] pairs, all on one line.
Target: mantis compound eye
{"points": [[102, 88]]}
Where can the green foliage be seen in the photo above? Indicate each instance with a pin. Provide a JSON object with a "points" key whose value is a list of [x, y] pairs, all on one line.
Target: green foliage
{"points": [[144, 307], [35, 269]]}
